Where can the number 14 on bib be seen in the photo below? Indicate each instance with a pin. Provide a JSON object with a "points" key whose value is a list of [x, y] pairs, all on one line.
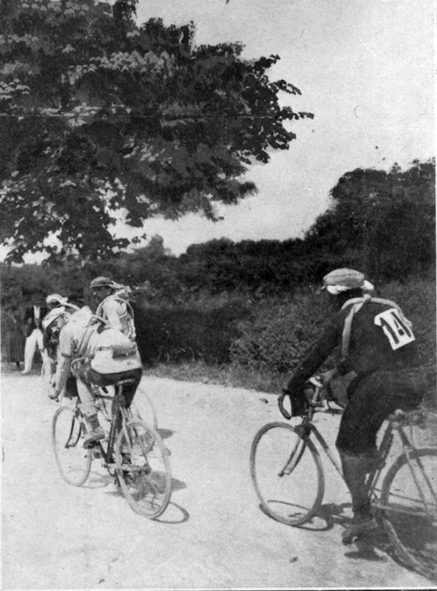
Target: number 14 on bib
{"points": [[396, 328]]}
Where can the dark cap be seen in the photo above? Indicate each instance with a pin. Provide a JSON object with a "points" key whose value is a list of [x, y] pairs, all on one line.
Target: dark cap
{"points": [[101, 282]]}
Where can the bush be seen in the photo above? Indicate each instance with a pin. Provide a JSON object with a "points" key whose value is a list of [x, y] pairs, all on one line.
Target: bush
{"points": [[180, 333], [281, 333]]}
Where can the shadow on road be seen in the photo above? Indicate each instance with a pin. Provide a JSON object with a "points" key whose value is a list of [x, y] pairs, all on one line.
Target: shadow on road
{"points": [[375, 546], [165, 433], [174, 515]]}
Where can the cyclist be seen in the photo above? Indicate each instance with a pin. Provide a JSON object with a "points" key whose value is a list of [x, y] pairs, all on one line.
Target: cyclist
{"points": [[107, 355], [380, 353], [57, 305], [54, 300], [112, 305]]}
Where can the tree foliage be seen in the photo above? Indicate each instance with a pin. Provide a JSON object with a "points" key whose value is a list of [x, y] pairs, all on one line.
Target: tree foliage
{"points": [[381, 222], [101, 115]]}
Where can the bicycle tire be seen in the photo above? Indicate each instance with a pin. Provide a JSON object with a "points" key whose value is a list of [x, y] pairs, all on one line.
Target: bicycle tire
{"points": [[143, 469], [293, 498], [411, 530], [72, 459], [151, 414]]}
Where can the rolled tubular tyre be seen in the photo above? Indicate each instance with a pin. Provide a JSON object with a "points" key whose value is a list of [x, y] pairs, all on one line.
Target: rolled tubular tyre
{"points": [[143, 400], [287, 474], [72, 459], [143, 469]]}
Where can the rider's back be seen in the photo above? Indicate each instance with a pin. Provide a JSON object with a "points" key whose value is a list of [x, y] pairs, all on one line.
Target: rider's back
{"points": [[381, 338]]}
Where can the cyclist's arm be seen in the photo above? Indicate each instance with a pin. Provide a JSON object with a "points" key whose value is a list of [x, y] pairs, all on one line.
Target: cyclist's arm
{"points": [[318, 353]]}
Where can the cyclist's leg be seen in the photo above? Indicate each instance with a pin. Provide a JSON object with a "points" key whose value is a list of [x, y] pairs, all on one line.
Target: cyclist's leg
{"points": [[356, 443], [369, 405], [89, 411]]}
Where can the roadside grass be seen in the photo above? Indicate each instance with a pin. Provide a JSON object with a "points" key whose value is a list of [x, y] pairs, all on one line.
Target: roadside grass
{"points": [[234, 376], [231, 375]]}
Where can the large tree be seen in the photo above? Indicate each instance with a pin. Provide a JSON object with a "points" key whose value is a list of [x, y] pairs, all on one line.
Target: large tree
{"points": [[381, 221], [102, 116]]}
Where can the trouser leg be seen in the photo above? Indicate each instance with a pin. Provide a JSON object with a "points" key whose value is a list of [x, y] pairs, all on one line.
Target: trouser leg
{"points": [[40, 343], [86, 399], [90, 412], [29, 352]]}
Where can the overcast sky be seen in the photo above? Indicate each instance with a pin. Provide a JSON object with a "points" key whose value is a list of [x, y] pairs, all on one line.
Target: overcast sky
{"points": [[365, 69]]}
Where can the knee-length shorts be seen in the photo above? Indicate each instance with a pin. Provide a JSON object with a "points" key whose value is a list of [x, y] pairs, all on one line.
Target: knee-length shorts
{"points": [[371, 400]]}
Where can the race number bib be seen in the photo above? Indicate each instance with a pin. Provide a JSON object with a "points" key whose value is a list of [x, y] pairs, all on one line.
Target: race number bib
{"points": [[395, 328]]}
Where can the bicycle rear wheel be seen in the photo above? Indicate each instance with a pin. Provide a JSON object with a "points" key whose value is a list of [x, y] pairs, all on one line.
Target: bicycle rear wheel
{"points": [[143, 402], [73, 460], [143, 469], [287, 474], [409, 509]]}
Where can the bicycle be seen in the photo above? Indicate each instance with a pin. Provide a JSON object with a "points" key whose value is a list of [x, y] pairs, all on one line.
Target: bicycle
{"points": [[288, 477], [133, 453]]}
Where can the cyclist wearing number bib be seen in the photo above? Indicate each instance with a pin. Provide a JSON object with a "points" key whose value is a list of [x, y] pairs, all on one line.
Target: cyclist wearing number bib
{"points": [[380, 351], [112, 305], [106, 356]]}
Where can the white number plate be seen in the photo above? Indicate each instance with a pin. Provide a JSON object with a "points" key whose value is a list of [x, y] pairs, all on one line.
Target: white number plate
{"points": [[395, 328]]}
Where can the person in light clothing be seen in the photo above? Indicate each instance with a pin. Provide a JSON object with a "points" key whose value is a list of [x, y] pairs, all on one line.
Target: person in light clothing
{"points": [[81, 338], [113, 305], [33, 318]]}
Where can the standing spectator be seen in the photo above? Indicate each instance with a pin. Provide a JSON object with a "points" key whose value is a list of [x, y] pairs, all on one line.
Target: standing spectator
{"points": [[13, 336], [33, 317]]}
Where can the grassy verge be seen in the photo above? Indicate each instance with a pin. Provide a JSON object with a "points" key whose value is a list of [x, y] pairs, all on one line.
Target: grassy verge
{"points": [[235, 376], [229, 375]]}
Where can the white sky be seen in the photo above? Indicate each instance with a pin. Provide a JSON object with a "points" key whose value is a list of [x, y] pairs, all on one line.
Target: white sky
{"points": [[365, 69]]}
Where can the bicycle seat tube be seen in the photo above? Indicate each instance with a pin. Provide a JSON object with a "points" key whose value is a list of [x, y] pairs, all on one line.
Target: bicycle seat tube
{"points": [[382, 454]]}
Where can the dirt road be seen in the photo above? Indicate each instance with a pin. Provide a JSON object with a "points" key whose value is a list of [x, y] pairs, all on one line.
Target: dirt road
{"points": [[212, 536]]}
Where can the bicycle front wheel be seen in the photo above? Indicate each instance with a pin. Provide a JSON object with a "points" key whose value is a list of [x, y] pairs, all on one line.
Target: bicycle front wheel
{"points": [[287, 474], [143, 469], [409, 509], [73, 460]]}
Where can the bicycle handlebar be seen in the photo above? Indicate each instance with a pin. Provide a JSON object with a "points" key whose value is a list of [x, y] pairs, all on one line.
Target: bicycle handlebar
{"points": [[282, 408], [316, 397]]}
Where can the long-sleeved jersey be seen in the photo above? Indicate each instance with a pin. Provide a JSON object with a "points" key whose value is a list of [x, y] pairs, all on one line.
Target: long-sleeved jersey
{"points": [[374, 334]]}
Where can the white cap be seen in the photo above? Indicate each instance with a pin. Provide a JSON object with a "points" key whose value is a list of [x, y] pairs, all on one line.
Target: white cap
{"points": [[342, 280]]}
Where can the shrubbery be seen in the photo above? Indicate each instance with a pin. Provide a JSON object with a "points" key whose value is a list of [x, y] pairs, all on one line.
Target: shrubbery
{"points": [[180, 333], [281, 332]]}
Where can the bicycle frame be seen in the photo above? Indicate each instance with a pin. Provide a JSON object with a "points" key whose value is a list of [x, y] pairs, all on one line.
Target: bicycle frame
{"points": [[308, 427], [118, 409], [408, 450]]}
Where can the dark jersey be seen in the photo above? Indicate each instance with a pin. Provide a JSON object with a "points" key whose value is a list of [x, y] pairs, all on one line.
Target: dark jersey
{"points": [[381, 339]]}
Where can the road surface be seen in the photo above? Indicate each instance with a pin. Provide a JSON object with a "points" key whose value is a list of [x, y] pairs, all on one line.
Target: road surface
{"points": [[212, 536]]}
